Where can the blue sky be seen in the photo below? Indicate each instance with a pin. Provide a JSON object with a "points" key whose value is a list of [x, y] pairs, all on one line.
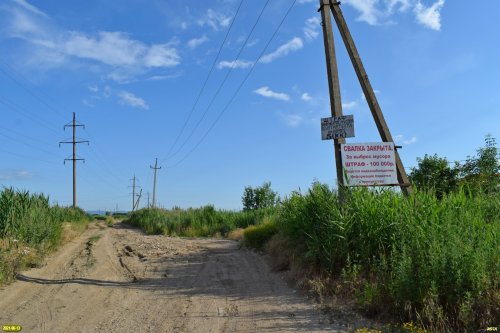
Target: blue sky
{"points": [[133, 70]]}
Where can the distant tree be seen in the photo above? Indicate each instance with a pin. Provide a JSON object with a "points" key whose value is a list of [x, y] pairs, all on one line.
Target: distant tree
{"points": [[259, 197], [483, 170], [434, 173]]}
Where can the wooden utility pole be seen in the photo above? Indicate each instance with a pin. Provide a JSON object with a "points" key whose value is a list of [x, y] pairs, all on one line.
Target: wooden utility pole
{"points": [[74, 158], [154, 182], [333, 84], [382, 127]]}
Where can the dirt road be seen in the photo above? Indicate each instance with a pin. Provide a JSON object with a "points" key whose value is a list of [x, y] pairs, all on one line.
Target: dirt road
{"points": [[120, 280]]}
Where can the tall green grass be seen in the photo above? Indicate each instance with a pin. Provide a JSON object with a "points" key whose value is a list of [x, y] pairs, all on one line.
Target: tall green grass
{"points": [[201, 222], [428, 259], [29, 218], [29, 225]]}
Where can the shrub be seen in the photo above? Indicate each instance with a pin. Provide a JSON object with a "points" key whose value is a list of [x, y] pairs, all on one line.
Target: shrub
{"points": [[257, 235], [431, 258], [201, 222]]}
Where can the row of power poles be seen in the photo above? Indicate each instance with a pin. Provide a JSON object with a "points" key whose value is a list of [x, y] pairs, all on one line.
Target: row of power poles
{"points": [[137, 197]]}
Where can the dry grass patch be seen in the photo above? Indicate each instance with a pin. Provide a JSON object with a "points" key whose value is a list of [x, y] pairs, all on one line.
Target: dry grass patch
{"points": [[236, 234]]}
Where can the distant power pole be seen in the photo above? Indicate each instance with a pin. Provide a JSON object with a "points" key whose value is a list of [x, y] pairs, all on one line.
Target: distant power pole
{"points": [[148, 199], [133, 192], [138, 199], [74, 158], [154, 183]]}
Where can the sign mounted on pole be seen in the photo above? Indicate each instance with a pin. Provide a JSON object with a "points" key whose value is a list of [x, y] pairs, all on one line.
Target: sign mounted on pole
{"points": [[369, 164], [337, 127]]}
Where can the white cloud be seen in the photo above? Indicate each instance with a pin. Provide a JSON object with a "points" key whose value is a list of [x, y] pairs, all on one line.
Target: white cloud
{"points": [[253, 42], [29, 7], [214, 20], [166, 76], [409, 142], [111, 48], [400, 5], [88, 103], [163, 55], [10, 174], [429, 16], [399, 138], [266, 92], [283, 50], [349, 105], [375, 12], [311, 29], [132, 100], [368, 9], [306, 97], [293, 45], [116, 51], [293, 120], [93, 88], [377, 92], [195, 42], [107, 92], [234, 64]]}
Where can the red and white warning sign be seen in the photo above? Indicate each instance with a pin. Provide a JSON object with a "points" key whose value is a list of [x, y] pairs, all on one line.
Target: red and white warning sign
{"points": [[367, 164]]}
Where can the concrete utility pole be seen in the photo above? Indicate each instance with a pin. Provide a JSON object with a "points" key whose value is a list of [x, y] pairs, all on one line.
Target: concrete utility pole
{"points": [[154, 183], [133, 192], [382, 127], [138, 199], [74, 158], [148, 199]]}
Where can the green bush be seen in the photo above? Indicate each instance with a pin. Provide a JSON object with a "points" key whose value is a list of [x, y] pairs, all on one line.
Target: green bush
{"points": [[256, 236], [201, 222]]}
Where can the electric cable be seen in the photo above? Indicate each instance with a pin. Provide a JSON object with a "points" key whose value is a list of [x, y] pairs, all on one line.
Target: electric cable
{"points": [[204, 84], [223, 81], [237, 90]]}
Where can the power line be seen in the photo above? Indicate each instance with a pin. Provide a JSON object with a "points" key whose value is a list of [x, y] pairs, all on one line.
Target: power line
{"points": [[204, 84], [223, 81], [103, 161], [27, 157], [28, 145], [28, 90], [238, 89], [11, 105], [37, 140]]}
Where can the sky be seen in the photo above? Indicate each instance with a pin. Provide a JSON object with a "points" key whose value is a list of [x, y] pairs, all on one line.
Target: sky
{"points": [[229, 93]]}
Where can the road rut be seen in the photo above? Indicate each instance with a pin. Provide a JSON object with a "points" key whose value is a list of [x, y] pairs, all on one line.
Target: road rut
{"points": [[121, 280]]}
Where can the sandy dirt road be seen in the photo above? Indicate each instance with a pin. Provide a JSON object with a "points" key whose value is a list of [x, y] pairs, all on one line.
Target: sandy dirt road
{"points": [[120, 280]]}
